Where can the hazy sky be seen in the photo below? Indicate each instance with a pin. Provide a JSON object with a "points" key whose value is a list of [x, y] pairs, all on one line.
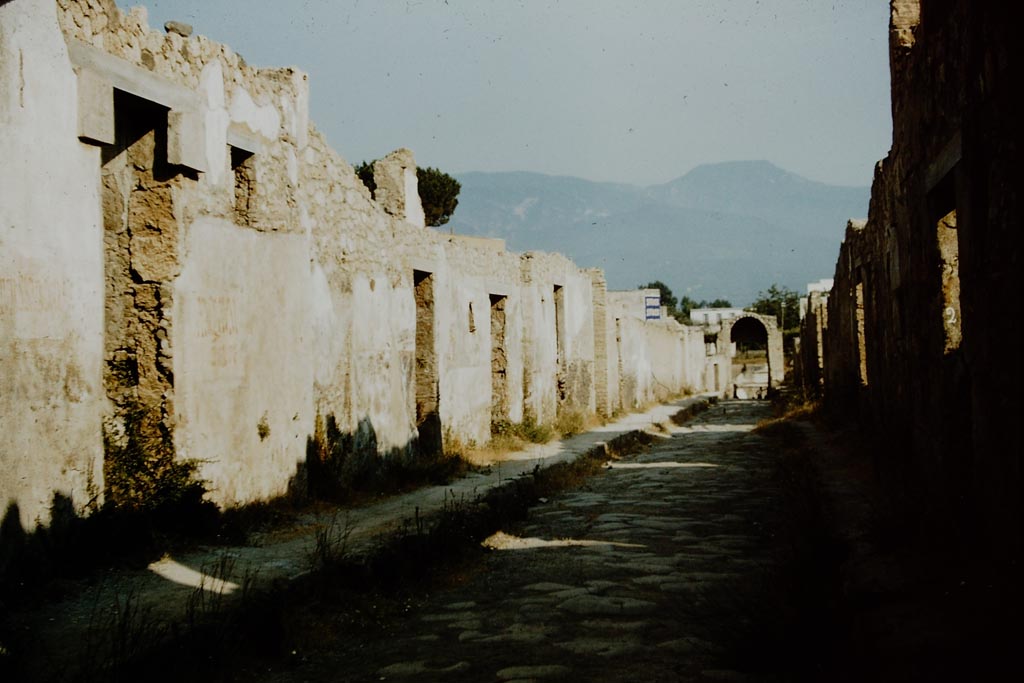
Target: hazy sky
{"points": [[637, 92]]}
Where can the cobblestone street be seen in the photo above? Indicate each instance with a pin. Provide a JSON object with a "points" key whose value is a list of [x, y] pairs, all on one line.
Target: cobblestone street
{"points": [[651, 571]]}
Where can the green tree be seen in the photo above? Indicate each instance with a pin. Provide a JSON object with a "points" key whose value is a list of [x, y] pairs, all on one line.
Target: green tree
{"points": [[439, 193], [717, 303], [364, 169], [781, 302], [686, 304]]}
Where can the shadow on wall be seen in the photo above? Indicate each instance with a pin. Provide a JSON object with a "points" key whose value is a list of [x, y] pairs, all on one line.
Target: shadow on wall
{"points": [[339, 466]]}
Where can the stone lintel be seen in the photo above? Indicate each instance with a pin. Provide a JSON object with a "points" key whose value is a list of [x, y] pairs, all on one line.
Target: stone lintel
{"points": [[100, 73], [425, 265], [130, 78], [242, 138], [186, 140], [95, 108], [944, 162], [499, 288]]}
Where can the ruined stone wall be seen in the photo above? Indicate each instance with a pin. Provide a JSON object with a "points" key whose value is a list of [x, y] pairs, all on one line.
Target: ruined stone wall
{"points": [[51, 278], [483, 283], [650, 360], [810, 358], [606, 348], [558, 373], [208, 282], [366, 315], [926, 300], [694, 359], [718, 373], [657, 358], [847, 364], [776, 358], [396, 187], [213, 266], [642, 304], [365, 309]]}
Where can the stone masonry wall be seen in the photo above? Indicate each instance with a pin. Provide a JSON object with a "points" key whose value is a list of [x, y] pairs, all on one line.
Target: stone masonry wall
{"points": [[210, 263], [810, 357], [606, 350], [926, 303], [557, 301], [655, 359]]}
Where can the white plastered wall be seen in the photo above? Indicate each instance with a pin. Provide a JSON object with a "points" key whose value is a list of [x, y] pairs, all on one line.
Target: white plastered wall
{"points": [[51, 275], [243, 358], [471, 273], [546, 366]]}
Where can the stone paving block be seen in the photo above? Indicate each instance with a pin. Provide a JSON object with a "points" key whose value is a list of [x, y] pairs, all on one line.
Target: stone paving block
{"points": [[542, 671], [596, 605]]}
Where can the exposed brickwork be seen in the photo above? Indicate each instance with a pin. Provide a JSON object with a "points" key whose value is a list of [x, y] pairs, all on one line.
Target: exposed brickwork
{"points": [[141, 251]]}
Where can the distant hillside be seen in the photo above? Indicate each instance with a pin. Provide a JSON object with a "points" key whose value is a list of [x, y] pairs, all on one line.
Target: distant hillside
{"points": [[722, 230], [760, 189]]}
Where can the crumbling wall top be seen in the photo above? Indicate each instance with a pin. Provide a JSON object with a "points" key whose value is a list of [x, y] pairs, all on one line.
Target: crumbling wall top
{"points": [[182, 59], [397, 190], [904, 16]]}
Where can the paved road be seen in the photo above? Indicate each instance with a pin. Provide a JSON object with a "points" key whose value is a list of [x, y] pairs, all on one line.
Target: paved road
{"points": [[652, 571]]}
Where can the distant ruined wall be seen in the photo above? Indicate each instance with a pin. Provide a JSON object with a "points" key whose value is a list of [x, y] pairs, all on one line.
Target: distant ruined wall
{"points": [[651, 361], [926, 304], [180, 243], [657, 359], [694, 360], [775, 355], [810, 358], [606, 349]]}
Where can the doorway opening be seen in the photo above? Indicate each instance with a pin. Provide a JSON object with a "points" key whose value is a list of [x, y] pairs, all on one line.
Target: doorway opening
{"points": [[428, 420], [499, 360]]}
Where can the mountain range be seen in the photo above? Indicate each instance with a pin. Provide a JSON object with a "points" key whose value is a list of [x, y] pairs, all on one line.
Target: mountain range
{"points": [[727, 230]]}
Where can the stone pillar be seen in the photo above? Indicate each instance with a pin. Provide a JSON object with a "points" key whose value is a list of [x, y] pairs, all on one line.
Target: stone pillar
{"points": [[397, 189]]}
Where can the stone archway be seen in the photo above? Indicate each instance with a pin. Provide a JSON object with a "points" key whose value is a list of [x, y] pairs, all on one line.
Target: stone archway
{"points": [[751, 380]]}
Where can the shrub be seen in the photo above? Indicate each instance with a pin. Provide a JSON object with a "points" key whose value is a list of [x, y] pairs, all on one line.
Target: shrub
{"points": [[140, 468]]}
